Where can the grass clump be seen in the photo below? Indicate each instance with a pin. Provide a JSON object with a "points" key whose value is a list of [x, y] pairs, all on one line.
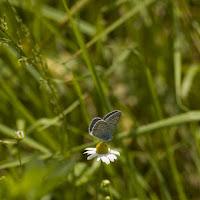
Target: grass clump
{"points": [[64, 63]]}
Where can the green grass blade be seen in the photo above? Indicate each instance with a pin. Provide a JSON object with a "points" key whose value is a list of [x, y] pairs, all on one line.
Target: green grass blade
{"points": [[164, 123], [188, 80], [28, 141], [75, 8], [16, 103], [87, 59], [45, 123], [24, 160], [177, 73], [81, 99], [114, 25]]}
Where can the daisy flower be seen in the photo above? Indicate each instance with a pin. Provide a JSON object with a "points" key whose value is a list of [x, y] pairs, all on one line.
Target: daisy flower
{"points": [[102, 152], [19, 135]]}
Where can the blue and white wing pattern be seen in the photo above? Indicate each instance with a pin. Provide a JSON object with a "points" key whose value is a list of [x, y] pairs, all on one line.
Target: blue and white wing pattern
{"points": [[92, 123], [101, 131], [104, 128], [112, 120], [111, 114]]}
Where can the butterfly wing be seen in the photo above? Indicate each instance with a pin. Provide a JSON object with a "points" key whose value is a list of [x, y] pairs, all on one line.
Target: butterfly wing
{"points": [[111, 113], [104, 128], [93, 122], [101, 131], [112, 119]]}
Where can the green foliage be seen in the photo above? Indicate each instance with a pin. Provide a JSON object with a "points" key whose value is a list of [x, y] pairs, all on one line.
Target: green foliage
{"points": [[65, 62]]}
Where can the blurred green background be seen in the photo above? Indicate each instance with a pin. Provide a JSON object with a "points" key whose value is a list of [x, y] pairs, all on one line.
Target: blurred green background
{"points": [[63, 63]]}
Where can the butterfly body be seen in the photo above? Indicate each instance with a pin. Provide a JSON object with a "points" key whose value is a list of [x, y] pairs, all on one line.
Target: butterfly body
{"points": [[104, 128]]}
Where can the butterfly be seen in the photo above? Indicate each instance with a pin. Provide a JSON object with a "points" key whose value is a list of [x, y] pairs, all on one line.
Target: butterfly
{"points": [[104, 128]]}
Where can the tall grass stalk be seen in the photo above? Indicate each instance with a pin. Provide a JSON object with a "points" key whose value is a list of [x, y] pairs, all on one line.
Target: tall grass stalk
{"points": [[170, 156], [88, 60], [53, 99]]}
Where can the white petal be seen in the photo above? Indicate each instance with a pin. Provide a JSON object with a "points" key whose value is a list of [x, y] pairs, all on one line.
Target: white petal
{"points": [[114, 152], [114, 156], [89, 152], [91, 156], [105, 159], [110, 156], [91, 149], [98, 158]]}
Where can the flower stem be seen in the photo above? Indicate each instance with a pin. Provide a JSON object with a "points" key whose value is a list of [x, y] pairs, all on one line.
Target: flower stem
{"points": [[19, 157], [111, 198], [100, 179]]}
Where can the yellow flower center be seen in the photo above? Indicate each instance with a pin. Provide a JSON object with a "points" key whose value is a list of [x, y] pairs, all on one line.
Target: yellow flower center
{"points": [[102, 148]]}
